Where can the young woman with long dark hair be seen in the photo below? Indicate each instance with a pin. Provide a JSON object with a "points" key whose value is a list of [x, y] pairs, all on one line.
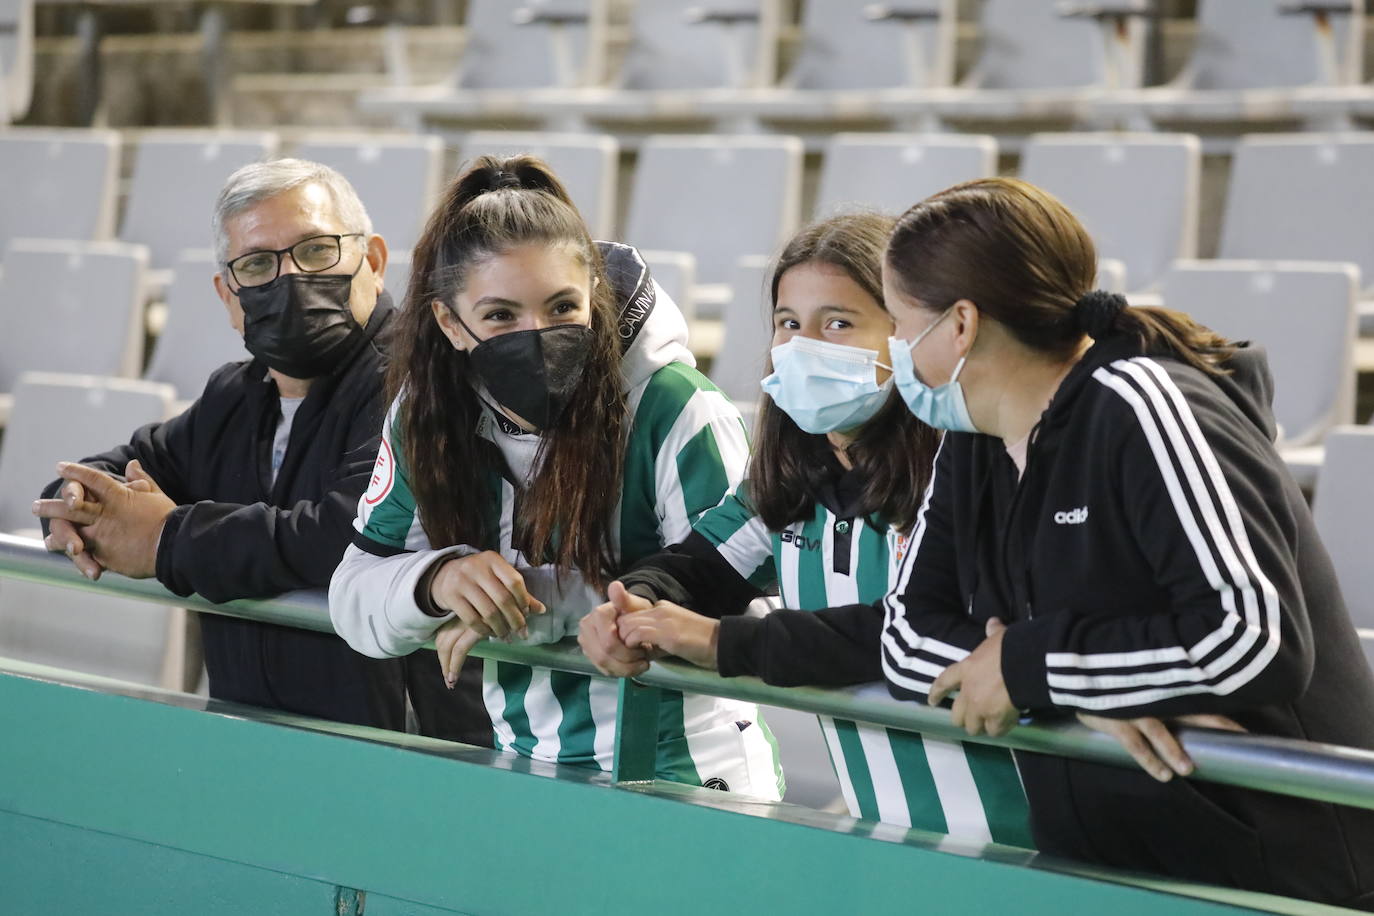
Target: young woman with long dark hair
{"points": [[834, 486], [1109, 532], [546, 429]]}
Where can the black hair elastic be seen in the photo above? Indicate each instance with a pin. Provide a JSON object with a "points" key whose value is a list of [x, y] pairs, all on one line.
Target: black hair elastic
{"points": [[1096, 313]]}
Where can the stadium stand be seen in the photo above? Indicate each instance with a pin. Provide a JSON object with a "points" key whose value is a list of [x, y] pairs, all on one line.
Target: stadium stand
{"points": [[892, 171], [16, 58], [196, 337]]}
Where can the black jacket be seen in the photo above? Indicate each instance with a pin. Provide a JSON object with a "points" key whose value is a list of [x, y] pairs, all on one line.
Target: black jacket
{"points": [[235, 534], [1156, 559], [831, 647]]}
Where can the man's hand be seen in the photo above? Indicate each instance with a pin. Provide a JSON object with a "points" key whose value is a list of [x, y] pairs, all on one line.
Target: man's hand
{"points": [[63, 536], [983, 704], [675, 630], [454, 640], [116, 525], [486, 593], [600, 640], [1152, 744]]}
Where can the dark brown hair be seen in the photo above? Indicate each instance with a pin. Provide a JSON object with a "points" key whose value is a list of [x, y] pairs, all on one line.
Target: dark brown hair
{"points": [[566, 512], [892, 452], [1023, 259]]}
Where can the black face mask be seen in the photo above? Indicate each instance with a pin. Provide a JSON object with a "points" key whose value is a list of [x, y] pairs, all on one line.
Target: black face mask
{"points": [[300, 324], [533, 374]]}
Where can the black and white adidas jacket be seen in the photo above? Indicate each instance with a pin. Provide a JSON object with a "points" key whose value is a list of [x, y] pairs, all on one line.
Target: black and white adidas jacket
{"points": [[1155, 559]]}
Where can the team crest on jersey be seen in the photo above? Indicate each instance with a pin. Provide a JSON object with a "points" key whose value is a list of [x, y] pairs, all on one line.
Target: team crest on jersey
{"points": [[899, 544], [383, 475]]}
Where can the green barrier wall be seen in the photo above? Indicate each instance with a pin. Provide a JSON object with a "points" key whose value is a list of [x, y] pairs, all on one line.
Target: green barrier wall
{"points": [[116, 801]]}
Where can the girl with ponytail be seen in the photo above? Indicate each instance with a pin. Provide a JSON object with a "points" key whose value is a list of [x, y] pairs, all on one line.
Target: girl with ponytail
{"points": [[547, 428], [1110, 533]]}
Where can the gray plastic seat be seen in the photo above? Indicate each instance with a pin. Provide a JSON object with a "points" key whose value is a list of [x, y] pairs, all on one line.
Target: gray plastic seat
{"points": [[177, 176], [738, 366], [16, 58], [890, 172], [196, 337], [114, 637], [1033, 61], [397, 178], [1137, 194], [1302, 314], [57, 184], [1247, 60], [90, 319], [587, 164], [1302, 197], [511, 50], [1342, 508], [716, 197], [676, 273]]}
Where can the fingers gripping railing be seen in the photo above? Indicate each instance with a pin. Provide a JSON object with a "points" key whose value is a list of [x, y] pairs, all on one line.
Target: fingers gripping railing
{"points": [[1301, 769]]}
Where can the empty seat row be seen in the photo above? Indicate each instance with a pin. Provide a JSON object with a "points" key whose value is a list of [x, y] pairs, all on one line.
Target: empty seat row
{"points": [[544, 59]]}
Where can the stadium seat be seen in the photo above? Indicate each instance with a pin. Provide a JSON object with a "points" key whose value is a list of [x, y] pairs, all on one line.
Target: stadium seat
{"points": [[1342, 508], [847, 49], [890, 172], [60, 417], [1304, 197], [718, 198], [70, 307], [397, 178], [196, 336], [177, 176], [738, 366], [1247, 60], [587, 164], [676, 273], [1302, 314], [512, 49], [1036, 59], [16, 58], [57, 184], [678, 57], [1137, 194]]}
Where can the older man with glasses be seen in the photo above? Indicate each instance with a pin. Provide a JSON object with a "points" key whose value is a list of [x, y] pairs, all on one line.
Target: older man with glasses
{"points": [[252, 491]]}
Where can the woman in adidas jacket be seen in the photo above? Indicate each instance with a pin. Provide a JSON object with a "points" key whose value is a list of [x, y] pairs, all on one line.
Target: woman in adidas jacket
{"points": [[1110, 532], [546, 429], [836, 478]]}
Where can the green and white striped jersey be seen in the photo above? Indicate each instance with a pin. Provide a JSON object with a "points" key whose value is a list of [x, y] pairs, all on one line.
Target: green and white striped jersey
{"points": [[967, 790], [686, 448]]}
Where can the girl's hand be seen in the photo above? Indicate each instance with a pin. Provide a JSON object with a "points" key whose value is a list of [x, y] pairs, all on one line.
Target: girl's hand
{"points": [[486, 593], [454, 640], [982, 704], [601, 641], [675, 630], [1152, 744]]}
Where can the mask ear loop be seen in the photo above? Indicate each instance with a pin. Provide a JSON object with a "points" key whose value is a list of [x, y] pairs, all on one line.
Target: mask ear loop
{"points": [[459, 319]]}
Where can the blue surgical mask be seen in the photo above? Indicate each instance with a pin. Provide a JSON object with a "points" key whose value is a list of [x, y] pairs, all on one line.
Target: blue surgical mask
{"points": [[826, 387], [940, 408]]}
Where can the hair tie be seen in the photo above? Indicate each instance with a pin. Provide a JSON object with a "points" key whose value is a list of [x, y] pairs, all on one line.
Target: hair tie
{"points": [[1096, 313], [502, 179]]}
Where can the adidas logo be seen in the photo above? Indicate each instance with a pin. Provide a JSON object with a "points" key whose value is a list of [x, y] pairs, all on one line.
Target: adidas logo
{"points": [[1072, 516]]}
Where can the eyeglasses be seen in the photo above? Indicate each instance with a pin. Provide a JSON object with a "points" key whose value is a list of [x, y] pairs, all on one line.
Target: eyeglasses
{"points": [[311, 255]]}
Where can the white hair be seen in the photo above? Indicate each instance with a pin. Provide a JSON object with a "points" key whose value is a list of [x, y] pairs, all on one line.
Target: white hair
{"points": [[259, 181]]}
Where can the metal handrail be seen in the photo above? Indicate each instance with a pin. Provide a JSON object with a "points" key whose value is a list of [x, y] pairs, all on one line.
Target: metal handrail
{"points": [[1301, 769]]}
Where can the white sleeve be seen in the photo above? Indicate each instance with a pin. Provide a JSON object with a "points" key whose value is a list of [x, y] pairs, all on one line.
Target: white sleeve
{"points": [[372, 600]]}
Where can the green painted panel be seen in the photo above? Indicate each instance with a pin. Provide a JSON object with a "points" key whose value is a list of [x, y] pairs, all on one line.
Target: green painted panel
{"points": [[459, 829], [49, 869]]}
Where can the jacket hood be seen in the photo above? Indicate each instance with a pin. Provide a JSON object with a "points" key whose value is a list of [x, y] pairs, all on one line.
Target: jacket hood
{"points": [[1249, 384], [652, 329]]}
